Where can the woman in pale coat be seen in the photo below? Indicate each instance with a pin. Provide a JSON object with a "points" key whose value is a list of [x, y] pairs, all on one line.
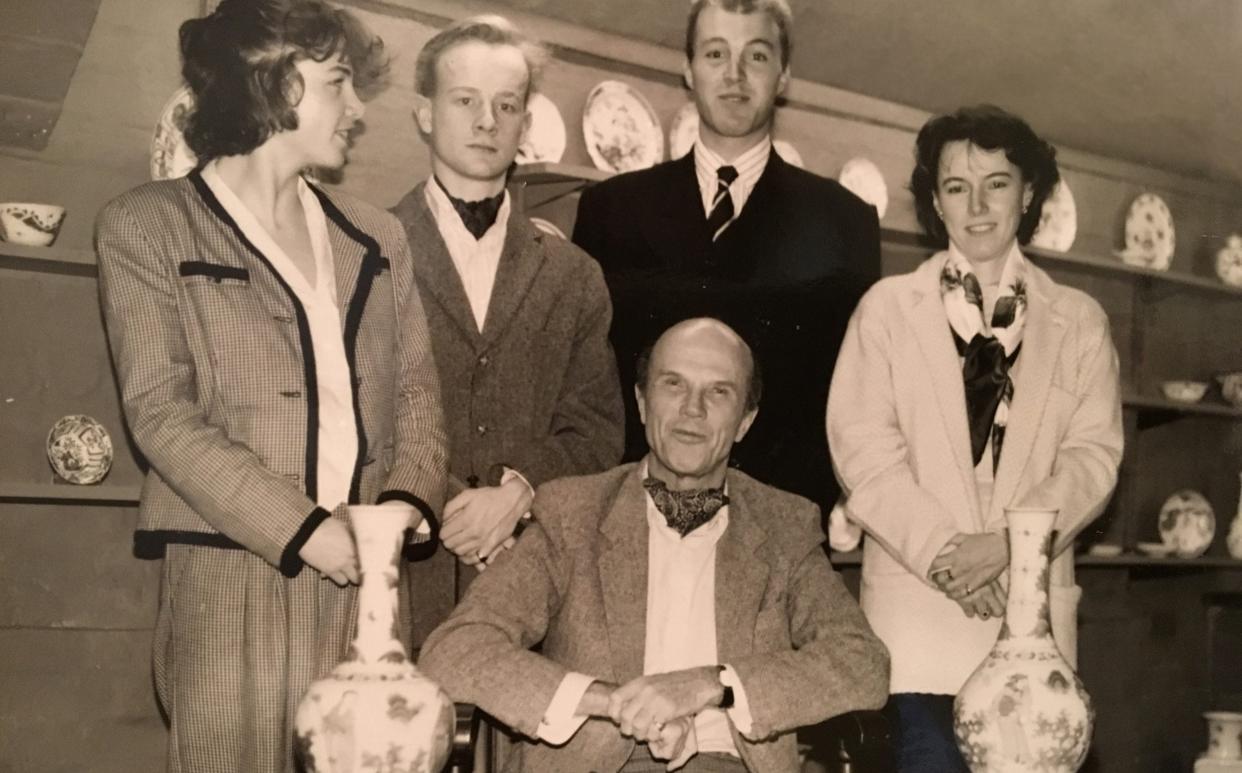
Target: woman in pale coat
{"points": [[972, 384]]}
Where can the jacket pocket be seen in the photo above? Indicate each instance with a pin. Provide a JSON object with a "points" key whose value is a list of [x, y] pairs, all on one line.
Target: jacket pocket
{"points": [[214, 271]]}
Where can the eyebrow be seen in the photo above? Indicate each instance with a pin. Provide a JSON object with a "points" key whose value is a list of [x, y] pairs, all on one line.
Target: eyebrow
{"points": [[344, 69], [752, 42]]}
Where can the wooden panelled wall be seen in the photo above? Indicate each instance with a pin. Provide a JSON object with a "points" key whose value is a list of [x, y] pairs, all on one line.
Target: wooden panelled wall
{"points": [[76, 609]]}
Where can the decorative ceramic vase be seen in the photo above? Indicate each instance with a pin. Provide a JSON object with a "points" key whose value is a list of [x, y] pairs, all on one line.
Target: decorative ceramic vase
{"points": [[1224, 735], [1234, 540], [1024, 708], [375, 713]]}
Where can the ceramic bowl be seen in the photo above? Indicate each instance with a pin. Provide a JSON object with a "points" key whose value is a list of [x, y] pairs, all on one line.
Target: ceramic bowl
{"points": [[35, 225], [1231, 386], [1184, 391]]}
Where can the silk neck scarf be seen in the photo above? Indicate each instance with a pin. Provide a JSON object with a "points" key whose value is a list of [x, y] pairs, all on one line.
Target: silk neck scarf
{"points": [[988, 351], [685, 511]]}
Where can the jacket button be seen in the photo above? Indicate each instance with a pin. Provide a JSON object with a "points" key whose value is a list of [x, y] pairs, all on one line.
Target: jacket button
{"points": [[481, 429], [484, 360]]}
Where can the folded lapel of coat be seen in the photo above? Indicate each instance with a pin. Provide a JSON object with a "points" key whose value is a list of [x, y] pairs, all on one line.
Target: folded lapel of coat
{"points": [[1041, 340], [623, 577], [741, 578], [433, 266], [931, 327], [520, 261], [679, 230], [349, 248]]}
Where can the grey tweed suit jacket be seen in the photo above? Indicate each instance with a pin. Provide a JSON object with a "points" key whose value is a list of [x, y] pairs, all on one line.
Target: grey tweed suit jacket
{"points": [[212, 353], [535, 390], [577, 581]]}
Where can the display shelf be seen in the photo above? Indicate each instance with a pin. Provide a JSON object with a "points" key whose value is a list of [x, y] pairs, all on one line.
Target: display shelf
{"points": [[544, 173], [1160, 404], [49, 260], [38, 493], [1126, 560]]}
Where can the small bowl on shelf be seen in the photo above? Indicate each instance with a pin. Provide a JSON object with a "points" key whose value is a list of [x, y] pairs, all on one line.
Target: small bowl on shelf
{"points": [[1154, 549], [1231, 387], [34, 225], [1104, 550], [1184, 391]]}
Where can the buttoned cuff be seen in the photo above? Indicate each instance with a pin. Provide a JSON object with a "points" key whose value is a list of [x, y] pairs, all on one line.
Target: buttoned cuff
{"points": [[561, 720], [739, 712]]}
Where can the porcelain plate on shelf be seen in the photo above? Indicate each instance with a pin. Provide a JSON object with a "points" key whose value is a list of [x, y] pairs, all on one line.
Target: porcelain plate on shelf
{"points": [[171, 157], [1187, 523], [1150, 237], [545, 140], [863, 178], [1058, 220], [621, 130], [79, 449]]}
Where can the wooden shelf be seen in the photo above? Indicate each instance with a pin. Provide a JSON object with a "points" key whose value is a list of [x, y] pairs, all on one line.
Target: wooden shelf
{"points": [[544, 173], [48, 260], [1125, 560], [1147, 403], [67, 492]]}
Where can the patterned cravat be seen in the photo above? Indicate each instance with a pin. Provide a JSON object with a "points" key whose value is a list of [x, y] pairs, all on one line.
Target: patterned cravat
{"points": [[477, 216], [722, 203], [685, 511]]}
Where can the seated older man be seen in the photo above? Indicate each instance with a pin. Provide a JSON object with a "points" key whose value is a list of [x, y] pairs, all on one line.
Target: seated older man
{"points": [[688, 614]]}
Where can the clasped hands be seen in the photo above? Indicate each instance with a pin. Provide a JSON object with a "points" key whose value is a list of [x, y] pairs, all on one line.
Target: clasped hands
{"points": [[479, 522], [968, 571], [658, 709]]}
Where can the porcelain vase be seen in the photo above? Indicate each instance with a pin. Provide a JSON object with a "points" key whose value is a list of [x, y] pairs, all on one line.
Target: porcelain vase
{"points": [[1224, 735], [375, 713], [1234, 540], [1024, 708]]}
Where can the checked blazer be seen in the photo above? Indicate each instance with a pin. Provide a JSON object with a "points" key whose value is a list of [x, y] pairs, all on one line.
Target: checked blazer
{"points": [[212, 353], [577, 582]]}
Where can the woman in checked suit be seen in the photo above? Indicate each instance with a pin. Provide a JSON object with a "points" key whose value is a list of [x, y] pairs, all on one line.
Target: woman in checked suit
{"points": [[274, 366], [972, 384]]}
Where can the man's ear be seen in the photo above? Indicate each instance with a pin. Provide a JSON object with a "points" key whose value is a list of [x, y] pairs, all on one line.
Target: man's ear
{"points": [[423, 113], [642, 404], [782, 82], [744, 426], [688, 75]]}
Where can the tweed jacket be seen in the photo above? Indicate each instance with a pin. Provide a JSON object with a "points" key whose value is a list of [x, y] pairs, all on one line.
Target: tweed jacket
{"points": [[898, 428], [577, 581], [785, 275], [212, 353]]}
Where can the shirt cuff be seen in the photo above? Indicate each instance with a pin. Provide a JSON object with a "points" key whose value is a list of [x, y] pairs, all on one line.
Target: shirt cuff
{"points": [[560, 720], [691, 749], [509, 475], [739, 713]]}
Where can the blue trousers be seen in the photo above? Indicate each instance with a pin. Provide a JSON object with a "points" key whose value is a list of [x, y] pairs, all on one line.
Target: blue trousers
{"points": [[923, 740]]}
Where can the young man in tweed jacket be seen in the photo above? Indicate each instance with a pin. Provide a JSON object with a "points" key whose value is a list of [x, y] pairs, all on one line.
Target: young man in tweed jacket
{"points": [[519, 318]]}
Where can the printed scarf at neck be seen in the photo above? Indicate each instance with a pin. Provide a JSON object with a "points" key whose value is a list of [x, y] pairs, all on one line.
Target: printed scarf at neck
{"points": [[685, 511], [988, 354]]}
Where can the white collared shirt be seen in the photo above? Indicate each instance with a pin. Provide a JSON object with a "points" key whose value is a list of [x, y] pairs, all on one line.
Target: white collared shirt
{"points": [[476, 260], [749, 166], [338, 432], [681, 632]]}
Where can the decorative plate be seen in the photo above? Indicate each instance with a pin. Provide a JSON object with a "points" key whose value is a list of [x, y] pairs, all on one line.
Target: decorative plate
{"points": [[545, 140], [1187, 523], [621, 129], [79, 449], [864, 179], [683, 130], [548, 227], [1058, 220], [788, 152], [1149, 234], [170, 156], [1229, 261]]}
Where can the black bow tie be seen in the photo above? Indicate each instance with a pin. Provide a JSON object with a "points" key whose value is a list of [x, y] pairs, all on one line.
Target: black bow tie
{"points": [[685, 511], [477, 216]]}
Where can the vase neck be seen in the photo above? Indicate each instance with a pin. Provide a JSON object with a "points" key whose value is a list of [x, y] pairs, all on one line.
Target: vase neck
{"points": [[1030, 549], [378, 534]]}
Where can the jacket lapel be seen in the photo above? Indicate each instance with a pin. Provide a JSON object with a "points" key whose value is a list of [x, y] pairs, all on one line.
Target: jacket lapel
{"points": [[741, 579], [623, 577], [520, 261], [1032, 379], [925, 311], [433, 266], [679, 231], [348, 254]]}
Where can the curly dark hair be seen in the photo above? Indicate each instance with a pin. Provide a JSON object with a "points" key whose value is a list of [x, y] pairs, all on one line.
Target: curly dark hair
{"points": [[239, 63], [991, 128]]}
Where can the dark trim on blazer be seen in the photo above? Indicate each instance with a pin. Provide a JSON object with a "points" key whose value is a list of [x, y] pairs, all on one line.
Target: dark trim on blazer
{"points": [[215, 271], [415, 551], [372, 265], [290, 562], [310, 474], [151, 543]]}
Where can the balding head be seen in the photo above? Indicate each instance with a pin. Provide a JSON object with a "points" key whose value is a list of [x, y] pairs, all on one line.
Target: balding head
{"points": [[694, 396], [754, 376]]}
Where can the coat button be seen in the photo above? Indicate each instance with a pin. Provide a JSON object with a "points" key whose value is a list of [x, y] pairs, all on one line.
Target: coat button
{"points": [[484, 360], [481, 429]]}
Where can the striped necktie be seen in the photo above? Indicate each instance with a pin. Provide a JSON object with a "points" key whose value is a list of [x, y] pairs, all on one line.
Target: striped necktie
{"points": [[722, 203]]}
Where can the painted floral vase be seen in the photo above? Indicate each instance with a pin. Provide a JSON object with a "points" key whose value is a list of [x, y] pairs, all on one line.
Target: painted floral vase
{"points": [[1224, 735], [1234, 540], [1024, 708], [375, 713]]}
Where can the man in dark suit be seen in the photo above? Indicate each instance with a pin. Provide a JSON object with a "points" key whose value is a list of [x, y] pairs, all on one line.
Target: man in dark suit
{"points": [[518, 318], [680, 604], [733, 231]]}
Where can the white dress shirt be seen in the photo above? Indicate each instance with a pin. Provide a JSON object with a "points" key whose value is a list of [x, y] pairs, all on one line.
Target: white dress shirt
{"points": [[476, 260], [681, 633], [749, 166], [338, 433]]}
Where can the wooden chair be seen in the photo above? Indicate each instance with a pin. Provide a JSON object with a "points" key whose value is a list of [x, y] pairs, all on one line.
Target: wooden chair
{"points": [[858, 742]]}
